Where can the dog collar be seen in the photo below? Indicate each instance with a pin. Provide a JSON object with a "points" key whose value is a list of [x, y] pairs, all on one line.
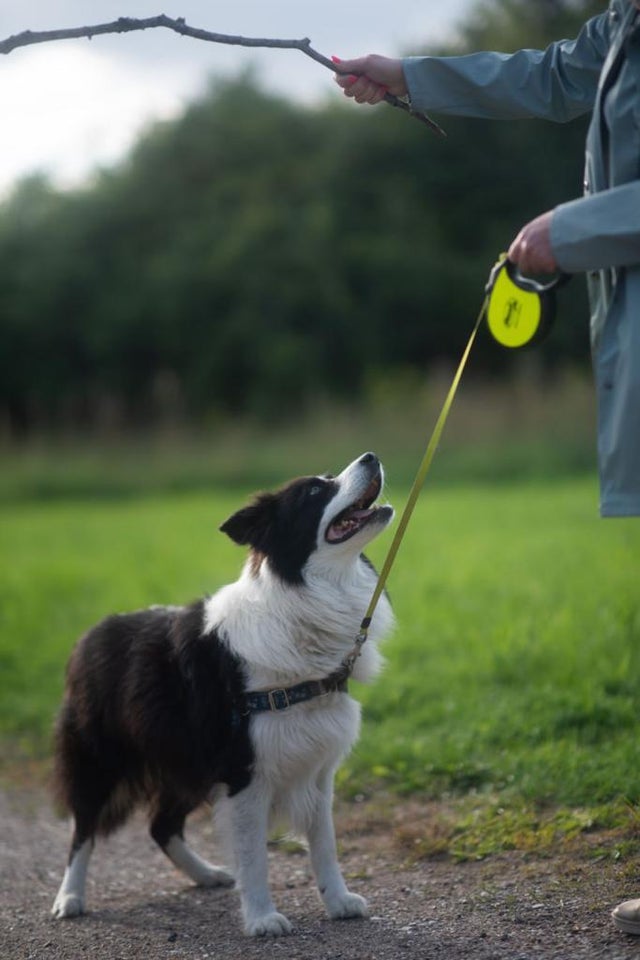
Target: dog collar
{"points": [[260, 701]]}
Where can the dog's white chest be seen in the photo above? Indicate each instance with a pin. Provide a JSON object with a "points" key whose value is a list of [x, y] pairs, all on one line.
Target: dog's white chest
{"points": [[297, 745]]}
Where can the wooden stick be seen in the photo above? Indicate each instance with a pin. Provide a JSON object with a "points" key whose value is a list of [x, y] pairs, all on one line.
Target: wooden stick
{"points": [[178, 25]]}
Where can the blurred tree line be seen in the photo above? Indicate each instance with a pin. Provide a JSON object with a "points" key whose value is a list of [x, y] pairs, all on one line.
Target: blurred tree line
{"points": [[254, 253]]}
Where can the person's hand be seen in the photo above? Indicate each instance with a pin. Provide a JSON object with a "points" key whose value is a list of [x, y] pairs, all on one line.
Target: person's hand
{"points": [[531, 249], [367, 79]]}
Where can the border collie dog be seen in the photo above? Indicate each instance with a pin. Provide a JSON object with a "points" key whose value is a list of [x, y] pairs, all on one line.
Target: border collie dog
{"points": [[236, 699]]}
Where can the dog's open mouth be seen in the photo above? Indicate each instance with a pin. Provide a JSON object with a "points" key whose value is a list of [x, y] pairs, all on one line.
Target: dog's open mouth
{"points": [[349, 521]]}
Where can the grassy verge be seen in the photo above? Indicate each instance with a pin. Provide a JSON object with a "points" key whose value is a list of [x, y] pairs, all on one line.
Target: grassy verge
{"points": [[516, 664], [512, 690]]}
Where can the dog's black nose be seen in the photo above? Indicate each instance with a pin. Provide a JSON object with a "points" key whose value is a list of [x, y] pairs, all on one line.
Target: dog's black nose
{"points": [[368, 458]]}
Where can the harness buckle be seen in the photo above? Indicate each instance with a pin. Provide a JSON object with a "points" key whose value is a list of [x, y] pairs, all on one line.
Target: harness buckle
{"points": [[278, 700]]}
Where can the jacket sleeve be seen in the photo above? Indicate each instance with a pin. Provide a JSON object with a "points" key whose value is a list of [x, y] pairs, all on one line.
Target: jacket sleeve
{"points": [[558, 83], [598, 231]]}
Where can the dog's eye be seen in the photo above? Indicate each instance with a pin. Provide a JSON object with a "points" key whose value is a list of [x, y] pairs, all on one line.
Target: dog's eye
{"points": [[315, 489]]}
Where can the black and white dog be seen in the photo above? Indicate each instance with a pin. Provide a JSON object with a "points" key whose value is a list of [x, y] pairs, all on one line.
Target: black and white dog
{"points": [[232, 699]]}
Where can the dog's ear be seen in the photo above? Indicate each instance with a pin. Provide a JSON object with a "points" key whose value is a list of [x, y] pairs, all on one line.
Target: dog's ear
{"points": [[252, 524]]}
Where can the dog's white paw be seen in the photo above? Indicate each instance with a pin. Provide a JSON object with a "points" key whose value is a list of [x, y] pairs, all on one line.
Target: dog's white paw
{"points": [[269, 925], [214, 877], [67, 905], [346, 906]]}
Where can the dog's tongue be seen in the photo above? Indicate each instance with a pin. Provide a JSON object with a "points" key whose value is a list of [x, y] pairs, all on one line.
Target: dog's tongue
{"points": [[334, 533], [337, 530]]}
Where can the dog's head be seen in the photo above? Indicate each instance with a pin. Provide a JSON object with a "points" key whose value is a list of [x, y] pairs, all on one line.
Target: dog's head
{"points": [[330, 516]]}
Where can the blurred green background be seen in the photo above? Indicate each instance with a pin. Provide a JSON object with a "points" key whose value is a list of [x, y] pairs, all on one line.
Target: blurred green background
{"points": [[254, 259], [263, 289]]}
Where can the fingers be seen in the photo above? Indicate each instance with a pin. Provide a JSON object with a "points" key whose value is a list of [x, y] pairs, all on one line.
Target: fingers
{"points": [[356, 85], [363, 90], [532, 250], [530, 260], [356, 66], [368, 79]]}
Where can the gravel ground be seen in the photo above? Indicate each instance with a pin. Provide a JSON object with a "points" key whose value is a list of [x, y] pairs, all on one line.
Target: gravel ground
{"points": [[508, 906]]}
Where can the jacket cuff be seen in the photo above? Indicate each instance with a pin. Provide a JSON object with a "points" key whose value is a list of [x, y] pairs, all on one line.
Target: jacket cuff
{"points": [[598, 231]]}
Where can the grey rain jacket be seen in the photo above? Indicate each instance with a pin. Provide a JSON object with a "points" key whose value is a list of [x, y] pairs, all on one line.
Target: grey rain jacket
{"points": [[598, 234]]}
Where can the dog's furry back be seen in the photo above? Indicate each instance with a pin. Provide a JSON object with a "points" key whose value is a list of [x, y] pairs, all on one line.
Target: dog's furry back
{"points": [[142, 710]]}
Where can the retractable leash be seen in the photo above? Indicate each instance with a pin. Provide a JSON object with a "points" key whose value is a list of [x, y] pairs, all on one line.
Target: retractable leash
{"points": [[519, 312]]}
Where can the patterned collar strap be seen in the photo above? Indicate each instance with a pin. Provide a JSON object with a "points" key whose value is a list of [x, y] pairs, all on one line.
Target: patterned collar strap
{"points": [[260, 701]]}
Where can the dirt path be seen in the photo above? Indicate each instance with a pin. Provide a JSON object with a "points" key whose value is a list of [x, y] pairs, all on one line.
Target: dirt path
{"points": [[508, 907]]}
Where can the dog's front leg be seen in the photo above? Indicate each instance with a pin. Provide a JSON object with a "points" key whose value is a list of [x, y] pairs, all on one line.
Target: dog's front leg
{"points": [[339, 902], [249, 814], [69, 901]]}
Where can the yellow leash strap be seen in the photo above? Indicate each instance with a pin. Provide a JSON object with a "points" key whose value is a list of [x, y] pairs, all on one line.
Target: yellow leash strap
{"points": [[414, 493]]}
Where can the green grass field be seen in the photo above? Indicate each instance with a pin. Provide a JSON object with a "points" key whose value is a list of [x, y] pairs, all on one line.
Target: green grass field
{"points": [[514, 673]]}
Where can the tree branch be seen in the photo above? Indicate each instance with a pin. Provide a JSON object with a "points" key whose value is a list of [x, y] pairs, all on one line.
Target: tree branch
{"points": [[178, 25]]}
